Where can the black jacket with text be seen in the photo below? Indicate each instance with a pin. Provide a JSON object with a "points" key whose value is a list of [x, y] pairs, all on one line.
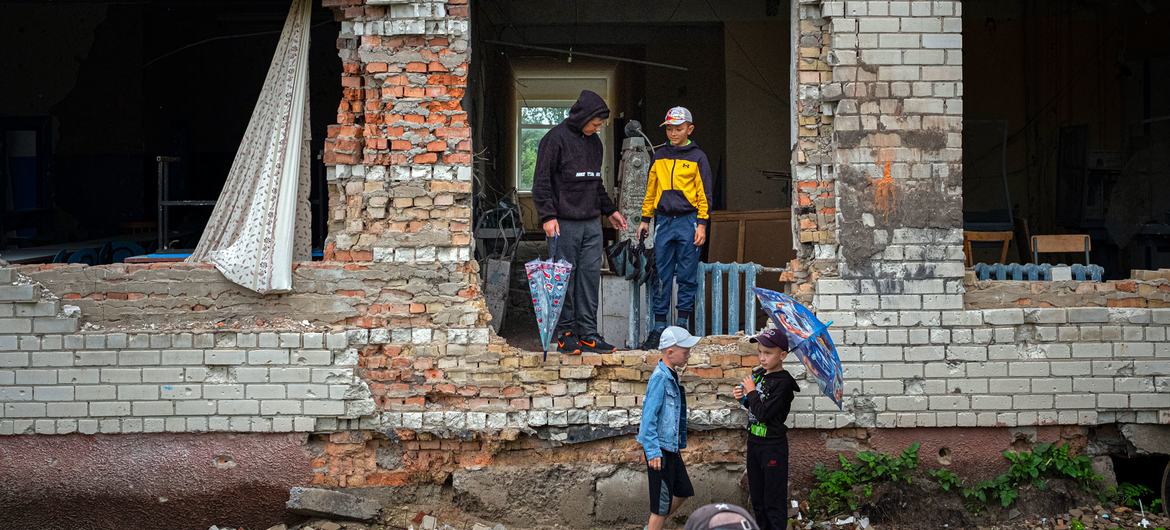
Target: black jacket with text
{"points": [[567, 182]]}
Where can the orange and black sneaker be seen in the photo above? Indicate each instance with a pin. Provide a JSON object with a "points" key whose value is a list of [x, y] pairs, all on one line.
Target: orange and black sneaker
{"points": [[595, 344], [567, 343]]}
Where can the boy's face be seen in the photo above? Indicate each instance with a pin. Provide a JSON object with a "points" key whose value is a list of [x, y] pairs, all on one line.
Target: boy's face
{"points": [[678, 134], [770, 357], [592, 127], [677, 356]]}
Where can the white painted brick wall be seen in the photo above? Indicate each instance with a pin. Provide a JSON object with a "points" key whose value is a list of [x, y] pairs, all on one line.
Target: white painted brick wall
{"points": [[153, 382]]}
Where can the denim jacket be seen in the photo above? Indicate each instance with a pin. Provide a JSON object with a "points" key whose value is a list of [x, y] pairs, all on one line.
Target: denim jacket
{"points": [[663, 426]]}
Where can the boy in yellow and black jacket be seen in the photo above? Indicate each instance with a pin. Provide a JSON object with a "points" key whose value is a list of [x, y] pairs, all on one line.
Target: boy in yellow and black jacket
{"points": [[678, 198]]}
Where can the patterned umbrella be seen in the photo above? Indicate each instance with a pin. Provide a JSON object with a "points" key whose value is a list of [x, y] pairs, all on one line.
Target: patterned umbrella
{"points": [[809, 338], [547, 281]]}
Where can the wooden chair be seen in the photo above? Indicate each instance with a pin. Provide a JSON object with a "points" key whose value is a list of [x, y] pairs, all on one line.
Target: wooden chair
{"points": [[1064, 243], [1003, 238]]}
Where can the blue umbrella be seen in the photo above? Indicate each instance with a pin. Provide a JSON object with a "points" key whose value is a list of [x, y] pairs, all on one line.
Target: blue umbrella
{"points": [[547, 281], [809, 338]]}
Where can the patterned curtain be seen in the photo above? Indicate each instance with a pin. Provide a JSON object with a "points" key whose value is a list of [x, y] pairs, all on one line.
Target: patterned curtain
{"points": [[261, 222]]}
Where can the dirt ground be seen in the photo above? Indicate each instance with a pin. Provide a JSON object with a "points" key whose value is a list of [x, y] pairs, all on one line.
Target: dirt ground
{"points": [[1059, 506]]}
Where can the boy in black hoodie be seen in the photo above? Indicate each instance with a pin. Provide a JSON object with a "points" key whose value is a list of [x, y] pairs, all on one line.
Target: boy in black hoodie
{"points": [[767, 394], [570, 196]]}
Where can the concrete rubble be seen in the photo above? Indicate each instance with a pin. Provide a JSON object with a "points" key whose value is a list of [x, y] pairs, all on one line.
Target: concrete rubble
{"points": [[322, 502]]}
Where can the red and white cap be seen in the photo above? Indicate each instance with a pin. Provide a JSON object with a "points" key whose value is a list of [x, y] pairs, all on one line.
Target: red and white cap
{"points": [[677, 116]]}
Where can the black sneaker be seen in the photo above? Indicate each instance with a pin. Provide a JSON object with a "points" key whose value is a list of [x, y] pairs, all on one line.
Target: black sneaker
{"points": [[567, 343], [651, 342], [595, 344]]}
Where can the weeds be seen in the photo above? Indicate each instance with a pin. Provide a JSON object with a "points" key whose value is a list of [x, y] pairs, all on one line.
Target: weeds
{"points": [[845, 489]]}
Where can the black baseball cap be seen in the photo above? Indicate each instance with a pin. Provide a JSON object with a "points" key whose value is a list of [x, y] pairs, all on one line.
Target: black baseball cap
{"points": [[772, 338], [722, 516]]}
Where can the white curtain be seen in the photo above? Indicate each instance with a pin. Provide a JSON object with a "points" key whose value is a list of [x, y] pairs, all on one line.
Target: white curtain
{"points": [[262, 221]]}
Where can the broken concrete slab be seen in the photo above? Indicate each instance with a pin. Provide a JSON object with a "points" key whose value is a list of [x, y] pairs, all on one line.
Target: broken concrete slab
{"points": [[621, 497], [517, 496], [1148, 439], [330, 503]]}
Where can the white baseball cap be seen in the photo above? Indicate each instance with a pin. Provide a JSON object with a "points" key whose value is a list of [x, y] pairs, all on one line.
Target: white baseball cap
{"points": [[677, 116], [676, 336]]}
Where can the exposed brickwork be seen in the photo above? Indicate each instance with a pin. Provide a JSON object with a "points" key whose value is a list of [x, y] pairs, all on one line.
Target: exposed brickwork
{"points": [[1122, 293], [327, 295], [813, 175], [401, 150], [405, 382]]}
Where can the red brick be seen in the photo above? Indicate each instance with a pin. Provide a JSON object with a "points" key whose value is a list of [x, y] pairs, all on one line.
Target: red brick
{"points": [[1126, 302], [416, 67], [397, 80], [707, 373], [453, 132]]}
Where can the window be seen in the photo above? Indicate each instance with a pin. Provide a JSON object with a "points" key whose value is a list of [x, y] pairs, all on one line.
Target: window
{"points": [[535, 122]]}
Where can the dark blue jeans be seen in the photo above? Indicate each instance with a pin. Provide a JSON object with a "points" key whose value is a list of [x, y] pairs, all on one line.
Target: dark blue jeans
{"points": [[677, 259]]}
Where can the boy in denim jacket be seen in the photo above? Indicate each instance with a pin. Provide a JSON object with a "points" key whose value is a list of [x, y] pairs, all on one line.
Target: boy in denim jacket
{"points": [[663, 431]]}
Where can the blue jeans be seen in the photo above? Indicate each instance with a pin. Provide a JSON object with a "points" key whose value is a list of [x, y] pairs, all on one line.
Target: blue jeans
{"points": [[677, 259]]}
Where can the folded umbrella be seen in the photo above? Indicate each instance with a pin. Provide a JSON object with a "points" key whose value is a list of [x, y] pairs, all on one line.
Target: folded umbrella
{"points": [[548, 281]]}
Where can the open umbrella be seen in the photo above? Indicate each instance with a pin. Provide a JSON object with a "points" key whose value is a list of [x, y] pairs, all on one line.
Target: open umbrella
{"points": [[809, 338], [547, 281]]}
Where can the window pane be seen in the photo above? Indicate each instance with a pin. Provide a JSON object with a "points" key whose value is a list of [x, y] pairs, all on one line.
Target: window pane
{"points": [[543, 115], [529, 141]]}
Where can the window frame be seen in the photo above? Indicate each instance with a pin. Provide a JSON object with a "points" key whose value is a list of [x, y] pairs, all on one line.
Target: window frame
{"points": [[520, 127]]}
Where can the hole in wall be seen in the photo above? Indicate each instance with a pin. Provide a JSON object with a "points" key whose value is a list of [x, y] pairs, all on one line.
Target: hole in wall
{"points": [[224, 462], [1142, 470], [944, 456]]}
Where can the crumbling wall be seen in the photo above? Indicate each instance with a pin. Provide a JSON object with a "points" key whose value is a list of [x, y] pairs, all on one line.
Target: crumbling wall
{"points": [[988, 294], [401, 376], [58, 379], [325, 295], [896, 291]]}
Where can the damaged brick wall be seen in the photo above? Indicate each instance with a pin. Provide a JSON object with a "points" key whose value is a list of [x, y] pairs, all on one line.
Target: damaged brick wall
{"points": [[813, 174], [986, 294], [896, 290], [326, 295], [402, 327], [57, 379]]}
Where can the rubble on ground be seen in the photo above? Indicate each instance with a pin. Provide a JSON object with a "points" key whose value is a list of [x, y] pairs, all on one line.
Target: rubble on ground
{"points": [[330, 503]]}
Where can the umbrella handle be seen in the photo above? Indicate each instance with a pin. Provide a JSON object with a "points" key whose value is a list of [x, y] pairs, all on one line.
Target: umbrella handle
{"points": [[552, 248]]}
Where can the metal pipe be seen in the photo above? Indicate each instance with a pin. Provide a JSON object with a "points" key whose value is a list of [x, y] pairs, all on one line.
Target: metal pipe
{"points": [[571, 53]]}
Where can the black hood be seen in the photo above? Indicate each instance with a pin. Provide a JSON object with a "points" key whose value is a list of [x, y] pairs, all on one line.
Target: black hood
{"points": [[589, 105]]}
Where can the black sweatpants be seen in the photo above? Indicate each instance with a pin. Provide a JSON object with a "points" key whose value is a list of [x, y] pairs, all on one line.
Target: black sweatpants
{"points": [[767, 469], [580, 245]]}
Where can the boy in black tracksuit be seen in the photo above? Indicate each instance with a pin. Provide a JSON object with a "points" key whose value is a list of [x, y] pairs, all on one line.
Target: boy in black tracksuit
{"points": [[570, 197], [768, 395]]}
